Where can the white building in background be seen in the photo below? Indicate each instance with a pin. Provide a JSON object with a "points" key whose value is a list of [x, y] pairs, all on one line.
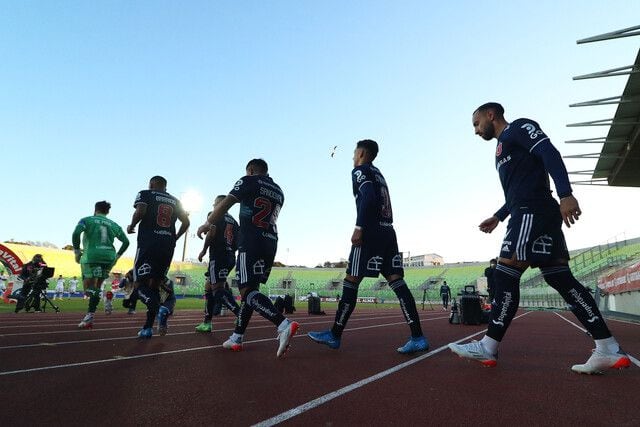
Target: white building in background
{"points": [[422, 260]]}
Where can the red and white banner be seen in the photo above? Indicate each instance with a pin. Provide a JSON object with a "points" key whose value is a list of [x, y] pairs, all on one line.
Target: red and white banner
{"points": [[10, 259], [624, 280]]}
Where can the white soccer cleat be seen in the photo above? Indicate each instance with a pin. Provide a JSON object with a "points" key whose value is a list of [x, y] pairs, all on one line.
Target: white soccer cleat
{"points": [[87, 322], [475, 351], [232, 345], [600, 361], [284, 337]]}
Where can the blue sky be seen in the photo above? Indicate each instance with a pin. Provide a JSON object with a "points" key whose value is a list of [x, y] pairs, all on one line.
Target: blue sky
{"points": [[97, 97]]}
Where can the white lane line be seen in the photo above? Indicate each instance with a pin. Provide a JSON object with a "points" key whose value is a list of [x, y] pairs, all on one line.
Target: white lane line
{"points": [[105, 320], [172, 334], [633, 359], [347, 389], [173, 324], [120, 358]]}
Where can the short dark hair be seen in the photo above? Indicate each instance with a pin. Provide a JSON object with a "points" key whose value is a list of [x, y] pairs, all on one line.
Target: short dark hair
{"points": [[370, 146], [159, 180], [494, 106], [259, 165], [493, 260], [103, 207]]}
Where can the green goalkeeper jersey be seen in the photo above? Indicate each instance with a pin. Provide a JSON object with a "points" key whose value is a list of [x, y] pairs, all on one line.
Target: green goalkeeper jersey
{"points": [[98, 233]]}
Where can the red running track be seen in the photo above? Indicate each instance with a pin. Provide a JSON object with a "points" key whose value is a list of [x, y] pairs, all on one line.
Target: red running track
{"points": [[187, 379]]}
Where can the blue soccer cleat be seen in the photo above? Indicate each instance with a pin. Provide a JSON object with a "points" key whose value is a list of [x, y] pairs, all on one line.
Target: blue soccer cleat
{"points": [[326, 338], [163, 314], [145, 333], [414, 345]]}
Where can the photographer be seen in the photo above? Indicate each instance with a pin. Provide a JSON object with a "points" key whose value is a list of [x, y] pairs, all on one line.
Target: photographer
{"points": [[31, 280]]}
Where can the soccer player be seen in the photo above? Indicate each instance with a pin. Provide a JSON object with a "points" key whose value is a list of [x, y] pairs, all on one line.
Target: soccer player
{"points": [[374, 251], [260, 202], [221, 241], [73, 286], [157, 212], [98, 255], [59, 288], [525, 158]]}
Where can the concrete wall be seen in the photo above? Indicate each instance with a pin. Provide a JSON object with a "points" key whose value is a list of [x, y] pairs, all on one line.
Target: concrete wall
{"points": [[626, 302]]}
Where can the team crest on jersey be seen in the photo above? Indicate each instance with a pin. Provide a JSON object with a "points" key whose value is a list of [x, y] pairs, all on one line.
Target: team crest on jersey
{"points": [[499, 149], [360, 176]]}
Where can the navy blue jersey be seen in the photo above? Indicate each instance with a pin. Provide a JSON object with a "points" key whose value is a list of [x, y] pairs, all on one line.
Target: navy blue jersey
{"points": [[524, 159], [373, 202], [260, 202], [158, 226], [225, 241]]}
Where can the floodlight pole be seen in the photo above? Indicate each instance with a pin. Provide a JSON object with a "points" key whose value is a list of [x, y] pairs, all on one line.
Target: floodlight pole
{"points": [[184, 246]]}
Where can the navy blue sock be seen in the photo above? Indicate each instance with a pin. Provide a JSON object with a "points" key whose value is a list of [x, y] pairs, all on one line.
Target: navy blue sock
{"points": [[244, 316], [263, 305], [579, 299], [345, 307], [227, 299], [408, 306], [151, 298], [208, 306], [505, 302]]}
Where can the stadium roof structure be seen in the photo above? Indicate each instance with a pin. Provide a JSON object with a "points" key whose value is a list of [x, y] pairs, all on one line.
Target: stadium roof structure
{"points": [[618, 163]]}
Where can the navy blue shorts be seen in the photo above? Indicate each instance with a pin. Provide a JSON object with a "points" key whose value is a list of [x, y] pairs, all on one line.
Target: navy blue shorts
{"points": [[254, 264], [152, 262], [377, 255], [536, 238], [219, 268]]}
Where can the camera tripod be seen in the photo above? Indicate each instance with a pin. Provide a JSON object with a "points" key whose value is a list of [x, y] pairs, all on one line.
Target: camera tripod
{"points": [[30, 300]]}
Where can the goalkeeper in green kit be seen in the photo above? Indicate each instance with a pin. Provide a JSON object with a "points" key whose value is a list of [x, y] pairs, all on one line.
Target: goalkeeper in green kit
{"points": [[98, 255]]}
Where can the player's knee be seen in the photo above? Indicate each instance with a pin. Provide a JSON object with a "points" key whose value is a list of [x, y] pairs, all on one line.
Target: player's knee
{"points": [[247, 292], [514, 263], [559, 277]]}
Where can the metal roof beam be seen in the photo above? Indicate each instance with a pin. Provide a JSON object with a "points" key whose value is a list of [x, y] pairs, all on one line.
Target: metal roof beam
{"points": [[597, 181], [593, 156], [605, 122], [619, 71], [625, 32], [607, 101], [587, 172], [599, 140]]}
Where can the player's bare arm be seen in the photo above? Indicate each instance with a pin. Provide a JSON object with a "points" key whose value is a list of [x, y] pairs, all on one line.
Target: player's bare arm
{"points": [[570, 210], [184, 224], [356, 237], [138, 214], [207, 242], [489, 224], [218, 212]]}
